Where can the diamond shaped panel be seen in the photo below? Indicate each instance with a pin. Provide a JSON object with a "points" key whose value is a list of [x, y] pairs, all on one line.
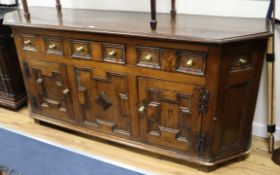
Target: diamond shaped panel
{"points": [[103, 100]]}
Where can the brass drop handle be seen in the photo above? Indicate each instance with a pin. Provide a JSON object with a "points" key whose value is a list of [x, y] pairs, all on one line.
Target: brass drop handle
{"points": [[149, 57], [52, 46], [66, 91], [190, 63], [141, 109], [27, 42], [112, 53], [242, 61], [80, 49]]}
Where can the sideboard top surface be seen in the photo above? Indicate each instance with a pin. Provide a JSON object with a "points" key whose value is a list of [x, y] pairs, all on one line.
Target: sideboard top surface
{"points": [[192, 28]]}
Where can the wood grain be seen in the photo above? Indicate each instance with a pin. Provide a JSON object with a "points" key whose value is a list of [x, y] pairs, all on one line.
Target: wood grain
{"points": [[195, 101]]}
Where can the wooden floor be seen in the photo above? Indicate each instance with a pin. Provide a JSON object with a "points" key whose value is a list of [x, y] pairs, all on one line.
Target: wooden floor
{"points": [[258, 163]]}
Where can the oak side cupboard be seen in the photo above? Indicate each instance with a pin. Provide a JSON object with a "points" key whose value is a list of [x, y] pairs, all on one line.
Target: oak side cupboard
{"points": [[186, 90]]}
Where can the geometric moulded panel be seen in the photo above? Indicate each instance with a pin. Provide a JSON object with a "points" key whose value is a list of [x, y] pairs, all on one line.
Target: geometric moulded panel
{"points": [[103, 99]]}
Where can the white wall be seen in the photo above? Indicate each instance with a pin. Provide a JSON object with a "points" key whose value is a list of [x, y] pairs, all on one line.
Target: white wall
{"points": [[242, 8], [236, 8]]}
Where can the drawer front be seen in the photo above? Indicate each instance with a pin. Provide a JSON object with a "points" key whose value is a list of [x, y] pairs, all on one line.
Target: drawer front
{"points": [[148, 57], [191, 62], [80, 49], [169, 113], [242, 62], [54, 46], [29, 43], [114, 53], [172, 60]]}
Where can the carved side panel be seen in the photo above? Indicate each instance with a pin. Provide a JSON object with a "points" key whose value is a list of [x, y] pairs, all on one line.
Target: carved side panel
{"points": [[171, 115], [237, 100], [52, 90], [238, 87], [103, 99], [234, 119]]}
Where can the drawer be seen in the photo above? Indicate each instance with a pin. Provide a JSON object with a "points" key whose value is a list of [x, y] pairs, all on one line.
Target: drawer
{"points": [[191, 62], [242, 62], [80, 49], [172, 60], [54, 46], [148, 57], [114, 53], [29, 42]]}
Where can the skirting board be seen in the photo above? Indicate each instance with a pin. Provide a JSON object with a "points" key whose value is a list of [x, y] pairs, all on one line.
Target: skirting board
{"points": [[260, 130]]}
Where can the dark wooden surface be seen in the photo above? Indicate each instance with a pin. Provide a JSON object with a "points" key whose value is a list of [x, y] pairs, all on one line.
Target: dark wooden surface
{"points": [[186, 100], [186, 27], [12, 91]]}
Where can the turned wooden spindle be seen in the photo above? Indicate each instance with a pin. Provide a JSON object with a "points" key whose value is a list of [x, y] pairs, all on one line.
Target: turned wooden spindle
{"points": [[58, 6], [173, 8], [271, 86], [153, 22], [26, 10]]}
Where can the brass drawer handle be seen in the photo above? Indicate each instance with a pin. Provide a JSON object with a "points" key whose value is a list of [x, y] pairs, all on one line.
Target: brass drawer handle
{"points": [[242, 61], [149, 57], [80, 49], [190, 63], [52, 46], [141, 109], [112, 53], [66, 91], [27, 42]]}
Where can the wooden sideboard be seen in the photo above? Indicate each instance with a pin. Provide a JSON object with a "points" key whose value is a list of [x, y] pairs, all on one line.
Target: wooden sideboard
{"points": [[186, 90], [12, 92]]}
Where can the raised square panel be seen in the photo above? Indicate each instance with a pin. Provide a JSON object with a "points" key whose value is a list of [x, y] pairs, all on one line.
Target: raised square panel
{"points": [[103, 101]]}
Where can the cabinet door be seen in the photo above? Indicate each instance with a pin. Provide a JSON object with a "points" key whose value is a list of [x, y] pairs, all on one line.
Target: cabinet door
{"points": [[169, 113], [104, 101], [50, 90]]}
